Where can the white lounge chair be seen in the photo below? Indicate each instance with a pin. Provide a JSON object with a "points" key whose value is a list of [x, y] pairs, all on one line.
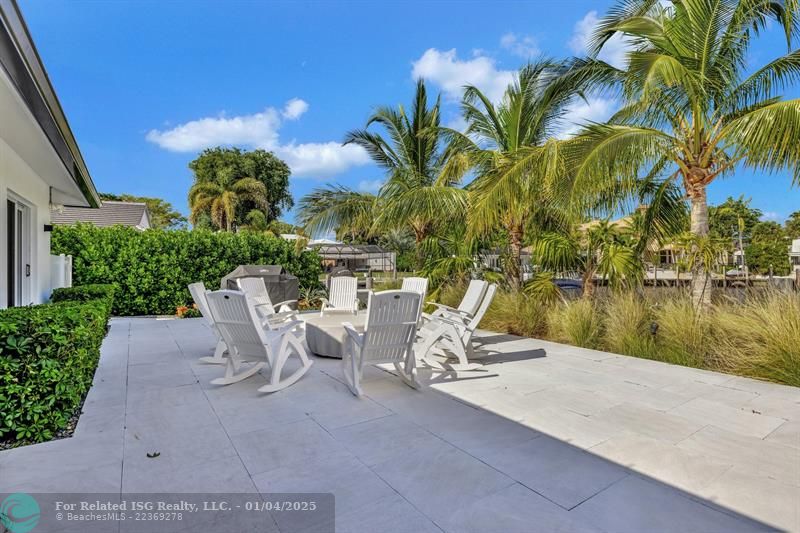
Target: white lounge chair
{"points": [[342, 296], [420, 286], [467, 308], [388, 337], [240, 326], [455, 334], [198, 292], [257, 291]]}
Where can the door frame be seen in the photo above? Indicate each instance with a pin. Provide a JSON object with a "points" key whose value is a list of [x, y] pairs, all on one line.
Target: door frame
{"points": [[21, 292]]}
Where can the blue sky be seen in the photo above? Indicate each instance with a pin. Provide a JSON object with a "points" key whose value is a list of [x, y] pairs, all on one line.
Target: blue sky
{"points": [[147, 84]]}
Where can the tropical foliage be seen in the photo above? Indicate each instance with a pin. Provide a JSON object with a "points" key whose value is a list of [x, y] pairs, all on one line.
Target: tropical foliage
{"points": [[235, 188]]}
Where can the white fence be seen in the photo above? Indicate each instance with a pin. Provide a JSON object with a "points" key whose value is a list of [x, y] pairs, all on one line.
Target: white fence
{"points": [[60, 271]]}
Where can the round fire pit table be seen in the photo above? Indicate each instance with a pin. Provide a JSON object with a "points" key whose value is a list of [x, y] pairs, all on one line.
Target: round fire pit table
{"points": [[326, 336]]}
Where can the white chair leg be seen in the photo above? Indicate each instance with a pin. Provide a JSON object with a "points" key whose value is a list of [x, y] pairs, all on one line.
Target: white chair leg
{"points": [[352, 373], [287, 344], [219, 355]]}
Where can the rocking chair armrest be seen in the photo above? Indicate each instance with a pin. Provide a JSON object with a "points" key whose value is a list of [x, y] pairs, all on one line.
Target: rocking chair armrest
{"points": [[452, 310], [457, 323], [286, 302], [288, 326], [357, 337]]}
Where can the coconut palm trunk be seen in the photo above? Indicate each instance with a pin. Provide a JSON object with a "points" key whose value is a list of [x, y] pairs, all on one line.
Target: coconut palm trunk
{"points": [[514, 272], [701, 287]]}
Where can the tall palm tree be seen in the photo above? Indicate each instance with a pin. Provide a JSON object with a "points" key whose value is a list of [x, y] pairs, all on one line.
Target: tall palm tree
{"points": [[415, 194], [511, 148], [690, 107], [219, 200], [337, 208]]}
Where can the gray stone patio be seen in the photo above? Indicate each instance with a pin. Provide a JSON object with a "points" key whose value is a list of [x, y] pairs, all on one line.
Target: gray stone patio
{"points": [[543, 437]]}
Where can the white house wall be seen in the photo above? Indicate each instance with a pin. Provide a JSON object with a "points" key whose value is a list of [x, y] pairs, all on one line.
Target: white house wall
{"points": [[24, 184]]}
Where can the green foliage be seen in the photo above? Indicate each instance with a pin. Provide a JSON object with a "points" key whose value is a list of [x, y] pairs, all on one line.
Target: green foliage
{"points": [[226, 166], [83, 293], [724, 219], [576, 323], [48, 355], [162, 214], [793, 225], [152, 269], [768, 247]]}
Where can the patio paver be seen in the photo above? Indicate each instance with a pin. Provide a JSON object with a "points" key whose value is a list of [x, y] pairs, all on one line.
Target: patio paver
{"points": [[543, 437]]}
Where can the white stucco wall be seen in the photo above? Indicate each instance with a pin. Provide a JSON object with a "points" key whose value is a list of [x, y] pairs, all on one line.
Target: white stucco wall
{"points": [[17, 177]]}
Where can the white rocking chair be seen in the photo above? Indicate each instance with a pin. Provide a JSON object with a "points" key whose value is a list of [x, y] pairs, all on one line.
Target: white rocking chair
{"points": [[467, 308], [420, 286], [257, 291], [342, 296], [388, 337], [455, 334], [240, 326], [198, 292]]}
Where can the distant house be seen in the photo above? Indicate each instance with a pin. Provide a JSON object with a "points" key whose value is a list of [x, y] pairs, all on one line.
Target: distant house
{"points": [[133, 214], [354, 257], [40, 167], [794, 254]]}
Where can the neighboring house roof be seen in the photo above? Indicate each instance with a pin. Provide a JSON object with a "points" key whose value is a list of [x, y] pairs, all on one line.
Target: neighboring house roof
{"points": [[133, 214], [23, 66]]}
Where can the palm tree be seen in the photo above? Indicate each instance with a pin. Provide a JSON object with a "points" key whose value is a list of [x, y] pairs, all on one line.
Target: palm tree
{"points": [[600, 247], [690, 109], [512, 150], [415, 194], [219, 200], [337, 208]]}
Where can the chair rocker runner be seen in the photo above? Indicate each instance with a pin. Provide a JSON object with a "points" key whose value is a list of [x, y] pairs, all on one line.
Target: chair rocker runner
{"points": [[454, 334], [198, 292], [388, 337], [342, 297], [257, 291], [240, 326]]}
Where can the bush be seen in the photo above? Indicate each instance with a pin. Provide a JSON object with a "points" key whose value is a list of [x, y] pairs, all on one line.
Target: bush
{"points": [[151, 269], [48, 355], [83, 293], [577, 323], [626, 326]]}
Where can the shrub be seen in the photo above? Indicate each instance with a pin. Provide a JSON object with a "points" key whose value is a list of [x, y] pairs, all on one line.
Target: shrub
{"points": [[577, 323], [152, 269], [516, 313], [758, 338], [626, 325], [683, 334], [48, 355], [83, 293]]}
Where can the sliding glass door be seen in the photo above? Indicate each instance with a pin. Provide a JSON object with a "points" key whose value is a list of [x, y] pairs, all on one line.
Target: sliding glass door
{"points": [[18, 256]]}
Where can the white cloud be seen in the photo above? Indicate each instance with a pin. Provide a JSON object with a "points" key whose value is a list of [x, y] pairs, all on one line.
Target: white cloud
{"points": [[294, 108], [614, 50], [522, 45], [771, 216], [593, 109], [261, 130], [372, 186], [446, 70], [321, 159]]}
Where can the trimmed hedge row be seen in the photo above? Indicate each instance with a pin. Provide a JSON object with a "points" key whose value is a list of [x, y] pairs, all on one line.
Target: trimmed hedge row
{"points": [[48, 355], [152, 269]]}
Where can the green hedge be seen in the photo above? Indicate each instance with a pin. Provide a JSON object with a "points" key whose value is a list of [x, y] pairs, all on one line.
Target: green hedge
{"points": [[48, 355], [152, 269]]}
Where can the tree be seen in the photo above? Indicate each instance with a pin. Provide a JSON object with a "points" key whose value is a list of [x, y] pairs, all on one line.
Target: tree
{"points": [[221, 202], [600, 247], [224, 166], [690, 109], [162, 214], [768, 247], [501, 143], [724, 219], [416, 194], [793, 225], [337, 208]]}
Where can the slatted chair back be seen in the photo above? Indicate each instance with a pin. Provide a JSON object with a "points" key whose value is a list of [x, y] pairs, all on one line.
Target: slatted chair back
{"points": [[391, 326], [237, 322], [343, 292], [257, 291], [473, 297], [491, 290], [198, 292]]}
